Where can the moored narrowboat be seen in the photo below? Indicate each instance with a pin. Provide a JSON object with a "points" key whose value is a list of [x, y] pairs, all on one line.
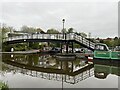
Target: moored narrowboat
{"points": [[102, 52]]}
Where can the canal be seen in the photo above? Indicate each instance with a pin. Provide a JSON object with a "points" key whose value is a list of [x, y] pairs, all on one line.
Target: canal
{"points": [[45, 71]]}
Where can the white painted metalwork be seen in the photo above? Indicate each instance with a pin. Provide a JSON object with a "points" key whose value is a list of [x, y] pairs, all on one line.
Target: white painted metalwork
{"points": [[71, 36]]}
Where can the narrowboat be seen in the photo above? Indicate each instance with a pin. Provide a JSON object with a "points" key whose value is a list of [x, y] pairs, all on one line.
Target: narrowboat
{"points": [[102, 52]]}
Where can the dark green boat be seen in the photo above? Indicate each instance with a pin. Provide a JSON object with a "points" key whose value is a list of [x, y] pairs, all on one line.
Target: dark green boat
{"points": [[102, 52]]}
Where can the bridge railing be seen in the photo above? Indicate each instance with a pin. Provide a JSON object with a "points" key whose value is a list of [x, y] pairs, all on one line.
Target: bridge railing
{"points": [[71, 36], [53, 76], [41, 36], [83, 40], [36, 36]]}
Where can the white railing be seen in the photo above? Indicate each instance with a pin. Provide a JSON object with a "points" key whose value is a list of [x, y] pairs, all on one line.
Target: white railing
{"points": [[84, 41], [36, 36], [70, 36], [54, 76]]}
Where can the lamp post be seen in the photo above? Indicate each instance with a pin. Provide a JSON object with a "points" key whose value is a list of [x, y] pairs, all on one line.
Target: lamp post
{"points": [[65, 36], [63, 27]]}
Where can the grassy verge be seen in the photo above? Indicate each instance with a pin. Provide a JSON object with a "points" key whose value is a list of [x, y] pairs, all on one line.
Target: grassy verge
{"points": [[3, 86]]}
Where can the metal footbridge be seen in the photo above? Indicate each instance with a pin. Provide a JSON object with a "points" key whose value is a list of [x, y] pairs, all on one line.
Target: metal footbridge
{"points": [[72, 37]]}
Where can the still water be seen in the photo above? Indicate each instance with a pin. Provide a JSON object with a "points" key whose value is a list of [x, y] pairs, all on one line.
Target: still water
{"points": [[45, 71]]}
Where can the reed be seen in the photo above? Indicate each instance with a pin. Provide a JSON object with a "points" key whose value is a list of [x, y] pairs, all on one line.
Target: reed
{"points": [[3, 86]]}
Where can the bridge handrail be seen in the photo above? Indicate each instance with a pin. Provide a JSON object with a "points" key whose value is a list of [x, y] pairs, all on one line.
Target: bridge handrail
{"points": [[70, 36], [53, 76], [84, 40], [36, 36]]}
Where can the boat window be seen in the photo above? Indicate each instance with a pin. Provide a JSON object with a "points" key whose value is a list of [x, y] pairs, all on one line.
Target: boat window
{"points": [[117, 48], [101, 48]]}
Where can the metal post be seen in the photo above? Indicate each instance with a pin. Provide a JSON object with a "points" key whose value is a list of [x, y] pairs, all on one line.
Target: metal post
{"points": [[61, 47], [82, 39], [65, 36], [67, 47], [89, 43], [89, 38], [37, 35], [72, 48], [63, 27], [61, 65]]}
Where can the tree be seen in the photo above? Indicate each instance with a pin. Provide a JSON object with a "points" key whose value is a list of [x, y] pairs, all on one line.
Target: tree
{"points": [[116, 38], [0, 38], [70, 30], [64, 30], [6, 29], [116, 41], [119, 42], [52, 31], [26, 29], [82, 34], [109, 43], [101, 41], [39, 30]]}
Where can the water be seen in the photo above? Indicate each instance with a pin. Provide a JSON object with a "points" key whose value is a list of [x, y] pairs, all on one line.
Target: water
{"points": [[45, 71]]}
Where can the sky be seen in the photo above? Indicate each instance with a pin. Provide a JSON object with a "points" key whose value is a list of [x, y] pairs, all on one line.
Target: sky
{"points": [[98, 17]]}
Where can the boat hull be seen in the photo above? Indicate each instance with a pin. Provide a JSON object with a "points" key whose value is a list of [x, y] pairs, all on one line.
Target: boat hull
{"points": [[107, 55]]}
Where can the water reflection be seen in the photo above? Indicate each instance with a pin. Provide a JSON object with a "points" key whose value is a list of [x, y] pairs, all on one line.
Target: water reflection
{"points": [[47, 67], [102, 68]]}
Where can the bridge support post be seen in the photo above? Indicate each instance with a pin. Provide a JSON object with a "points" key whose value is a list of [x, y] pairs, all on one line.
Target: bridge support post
{"points": [[61, 47], [67, 47], [72, 48], [72, 67]]}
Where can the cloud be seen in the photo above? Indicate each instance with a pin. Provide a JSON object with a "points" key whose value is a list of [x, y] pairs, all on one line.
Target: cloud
{"points": [[99, 18]]}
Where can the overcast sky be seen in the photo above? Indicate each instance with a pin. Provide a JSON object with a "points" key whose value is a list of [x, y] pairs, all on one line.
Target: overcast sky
{"points": [[98, 18]]}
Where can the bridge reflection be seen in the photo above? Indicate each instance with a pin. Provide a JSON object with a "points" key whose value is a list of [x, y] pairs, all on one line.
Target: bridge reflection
{"points": [[47, 67]]}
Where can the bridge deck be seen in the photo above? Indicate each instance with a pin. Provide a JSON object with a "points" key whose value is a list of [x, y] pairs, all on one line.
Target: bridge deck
{"points": [[51, 37]]}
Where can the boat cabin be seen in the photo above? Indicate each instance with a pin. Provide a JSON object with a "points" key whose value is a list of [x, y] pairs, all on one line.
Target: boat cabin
{"points": [[101, 47]]}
